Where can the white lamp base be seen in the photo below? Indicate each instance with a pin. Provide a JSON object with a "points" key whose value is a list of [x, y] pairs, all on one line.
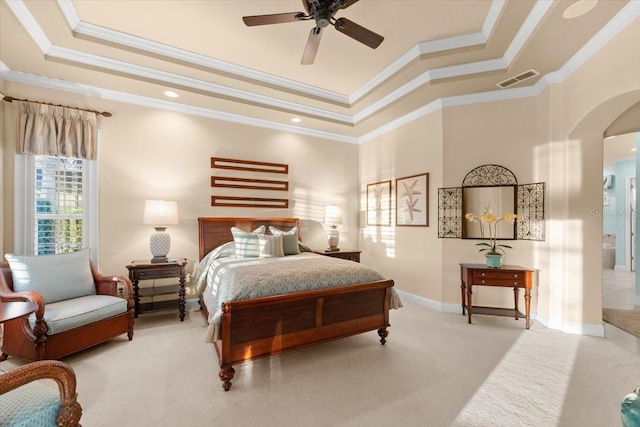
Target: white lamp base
{"points": [[334, 239], [160, 243]]}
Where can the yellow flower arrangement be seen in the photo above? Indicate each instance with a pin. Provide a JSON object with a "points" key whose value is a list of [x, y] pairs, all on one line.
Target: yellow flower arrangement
{"points": [[491, 220]]}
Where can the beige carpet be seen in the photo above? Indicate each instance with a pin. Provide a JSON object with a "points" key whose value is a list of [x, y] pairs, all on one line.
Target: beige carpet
{"points": [[436, 370], [627, 320]]}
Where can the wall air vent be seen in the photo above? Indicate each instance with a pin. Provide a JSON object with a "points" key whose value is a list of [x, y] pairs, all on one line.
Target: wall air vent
{"points": [[517, 79]]}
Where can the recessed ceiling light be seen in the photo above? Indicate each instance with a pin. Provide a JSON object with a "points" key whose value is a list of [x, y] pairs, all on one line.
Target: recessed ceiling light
{"points": [[296, 120], [171, 94], [579, 8]]}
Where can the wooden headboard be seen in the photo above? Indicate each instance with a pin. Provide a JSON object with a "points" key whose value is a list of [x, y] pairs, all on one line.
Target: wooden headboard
{"points": [[213, 232]]}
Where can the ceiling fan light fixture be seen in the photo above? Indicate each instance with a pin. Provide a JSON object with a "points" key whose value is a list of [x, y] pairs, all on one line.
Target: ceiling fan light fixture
{"points": [[579, 8]]}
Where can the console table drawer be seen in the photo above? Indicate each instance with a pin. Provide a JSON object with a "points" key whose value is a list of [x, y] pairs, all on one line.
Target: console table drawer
{"points": [[157, 273], [498, 281], [497, 275]]}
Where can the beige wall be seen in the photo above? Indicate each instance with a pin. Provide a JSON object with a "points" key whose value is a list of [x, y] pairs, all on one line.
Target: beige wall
{"points": [[556, 138], [148, 153]]}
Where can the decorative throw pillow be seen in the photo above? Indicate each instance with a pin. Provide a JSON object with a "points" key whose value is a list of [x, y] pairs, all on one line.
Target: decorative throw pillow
{"points": [[290, 239], [56, 277], [247, 244], [270, 246]]}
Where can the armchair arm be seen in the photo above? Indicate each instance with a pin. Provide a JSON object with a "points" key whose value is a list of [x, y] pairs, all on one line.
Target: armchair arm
{"points": [[71, 411], [30, 296]]}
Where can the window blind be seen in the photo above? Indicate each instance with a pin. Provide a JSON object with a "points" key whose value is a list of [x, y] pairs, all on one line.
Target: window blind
{"points": [[59, 206]]}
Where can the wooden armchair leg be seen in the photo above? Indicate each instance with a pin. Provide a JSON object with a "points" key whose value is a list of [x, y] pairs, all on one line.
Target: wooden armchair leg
{"points": [[4, 356]]}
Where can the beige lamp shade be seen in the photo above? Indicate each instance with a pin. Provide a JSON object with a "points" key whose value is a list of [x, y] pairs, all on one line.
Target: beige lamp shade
{"points": [[160, 213]]}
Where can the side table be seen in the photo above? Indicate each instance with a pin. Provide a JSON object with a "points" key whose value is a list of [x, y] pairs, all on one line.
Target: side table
{"points": [[146, 270], [349, 254]]}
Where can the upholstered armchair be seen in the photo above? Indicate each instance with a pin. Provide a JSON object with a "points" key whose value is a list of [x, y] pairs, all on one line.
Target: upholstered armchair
{"points": [[27, 399], [77, 306]]}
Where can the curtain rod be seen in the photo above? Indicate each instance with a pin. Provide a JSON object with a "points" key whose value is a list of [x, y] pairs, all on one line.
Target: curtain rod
{"points": [[11, 99]]}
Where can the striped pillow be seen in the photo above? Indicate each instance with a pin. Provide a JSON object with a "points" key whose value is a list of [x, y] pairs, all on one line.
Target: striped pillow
{"points": [[247, 244], [270, 246], [290, 239]]}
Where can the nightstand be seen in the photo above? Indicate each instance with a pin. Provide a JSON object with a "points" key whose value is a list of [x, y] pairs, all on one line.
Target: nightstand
{"points": [[146, 270], [349, 254]]}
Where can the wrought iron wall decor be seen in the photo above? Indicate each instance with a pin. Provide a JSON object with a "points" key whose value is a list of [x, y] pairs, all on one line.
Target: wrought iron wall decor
{"points": [[450, 212], [529, 202]]}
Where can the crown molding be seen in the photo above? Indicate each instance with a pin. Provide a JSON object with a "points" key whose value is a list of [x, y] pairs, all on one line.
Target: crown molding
{"points": [[625, 17], [146, 73], [133, 42], [112, 95], [97, 32], [20, 10], [159, 49]]}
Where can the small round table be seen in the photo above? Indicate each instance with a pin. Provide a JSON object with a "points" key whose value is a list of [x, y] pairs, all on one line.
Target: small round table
{"points": [[14, 309]]}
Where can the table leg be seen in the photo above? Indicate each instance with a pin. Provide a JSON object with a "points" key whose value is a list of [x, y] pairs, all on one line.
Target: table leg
{"points": [[527, 305], [469, 303], [463, 291], [136, 297], [515, 298], [181, 293]]}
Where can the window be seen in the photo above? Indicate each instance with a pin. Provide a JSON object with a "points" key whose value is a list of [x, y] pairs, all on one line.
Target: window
{"points": [[56, 205]]}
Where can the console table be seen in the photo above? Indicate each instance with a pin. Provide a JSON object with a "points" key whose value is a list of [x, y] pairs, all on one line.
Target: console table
{"points": [[507, 276]]}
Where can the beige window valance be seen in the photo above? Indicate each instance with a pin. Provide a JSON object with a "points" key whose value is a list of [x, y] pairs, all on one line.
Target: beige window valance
{"points": [[49, 130]]}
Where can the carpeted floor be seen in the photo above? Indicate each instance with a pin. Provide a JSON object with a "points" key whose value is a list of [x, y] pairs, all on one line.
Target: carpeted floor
{"points": [[627, 320], [435, 370]]}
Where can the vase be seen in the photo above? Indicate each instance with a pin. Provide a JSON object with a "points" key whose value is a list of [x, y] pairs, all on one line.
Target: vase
{"points": [[494, 261]]}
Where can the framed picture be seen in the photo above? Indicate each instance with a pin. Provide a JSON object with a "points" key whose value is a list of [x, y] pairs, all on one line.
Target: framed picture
{"points": [[379, 203], [412, 196]]}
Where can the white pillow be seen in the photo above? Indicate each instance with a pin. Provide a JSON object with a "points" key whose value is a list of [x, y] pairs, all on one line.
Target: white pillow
{"points": [[247, 244], [270, 246], [56, 277], [290, 239]]}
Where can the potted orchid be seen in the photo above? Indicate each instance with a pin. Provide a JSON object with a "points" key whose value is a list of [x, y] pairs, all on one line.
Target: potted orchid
{"points": [[494, 251]]}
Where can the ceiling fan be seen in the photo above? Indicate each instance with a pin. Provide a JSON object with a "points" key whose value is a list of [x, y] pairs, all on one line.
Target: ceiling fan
{"points": [[322, 12]]}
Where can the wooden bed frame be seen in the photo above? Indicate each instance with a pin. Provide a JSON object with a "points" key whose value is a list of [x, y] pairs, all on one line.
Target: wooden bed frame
{"points": [[264, 327]]}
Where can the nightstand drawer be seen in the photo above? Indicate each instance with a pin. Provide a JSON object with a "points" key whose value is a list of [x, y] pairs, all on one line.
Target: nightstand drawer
{"points": [[157, 273]]}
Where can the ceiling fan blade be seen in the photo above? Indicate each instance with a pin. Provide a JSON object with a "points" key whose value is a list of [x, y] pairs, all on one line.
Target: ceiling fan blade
{"points": [[358, 32], [311, 48], [348, 3], [276, 18]]}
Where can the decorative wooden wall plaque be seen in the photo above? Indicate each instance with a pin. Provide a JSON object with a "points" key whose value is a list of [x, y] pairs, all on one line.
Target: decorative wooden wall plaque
{"points": [[249, 183], [254, 184], [235, 164], [249, 202]]}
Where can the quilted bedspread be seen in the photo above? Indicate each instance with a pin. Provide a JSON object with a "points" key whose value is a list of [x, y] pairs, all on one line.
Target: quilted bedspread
{"points": [[222, 277]]}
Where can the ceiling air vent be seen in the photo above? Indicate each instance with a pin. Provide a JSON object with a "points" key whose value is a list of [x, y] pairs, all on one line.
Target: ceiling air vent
{"points": [[517, 79]]}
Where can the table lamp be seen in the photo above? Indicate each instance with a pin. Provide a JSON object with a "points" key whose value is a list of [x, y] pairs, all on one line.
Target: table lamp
{"points": [[333, 218], [160, 214]]}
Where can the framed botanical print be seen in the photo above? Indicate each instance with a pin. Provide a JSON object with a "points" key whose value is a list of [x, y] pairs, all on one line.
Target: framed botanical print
{"points": [[379, 203], [412, 197]]}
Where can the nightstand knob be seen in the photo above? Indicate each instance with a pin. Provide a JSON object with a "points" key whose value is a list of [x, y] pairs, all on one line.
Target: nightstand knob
{"points": [[482, 281], [482, 274], [515, 275], [515, 283]]}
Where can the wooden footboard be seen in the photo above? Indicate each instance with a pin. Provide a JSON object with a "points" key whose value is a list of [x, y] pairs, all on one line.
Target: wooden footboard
{"points": [[264, 327]]}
